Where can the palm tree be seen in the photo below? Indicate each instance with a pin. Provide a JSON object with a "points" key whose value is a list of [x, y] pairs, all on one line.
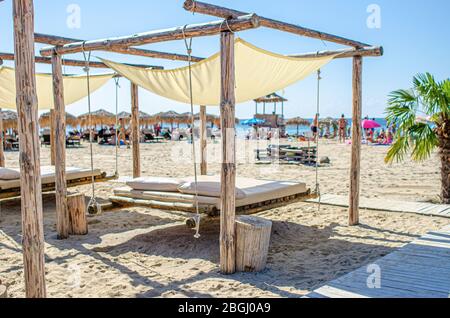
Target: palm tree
{"points": [[431, 98]]}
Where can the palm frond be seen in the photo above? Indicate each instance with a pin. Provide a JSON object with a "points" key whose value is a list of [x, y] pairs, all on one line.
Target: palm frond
{"points": [[424, 141], [402, 110], [432, 94], [398, 150]]}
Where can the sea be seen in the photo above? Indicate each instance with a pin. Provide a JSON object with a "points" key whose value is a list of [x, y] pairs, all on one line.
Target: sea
{"points": [[242, 130]]}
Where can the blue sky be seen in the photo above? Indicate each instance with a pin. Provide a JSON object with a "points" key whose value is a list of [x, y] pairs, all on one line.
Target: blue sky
{"points": [[413, 33]]}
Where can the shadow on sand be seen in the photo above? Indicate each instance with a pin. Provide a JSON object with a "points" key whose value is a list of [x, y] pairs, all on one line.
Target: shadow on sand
{"points": [[300, 258]]}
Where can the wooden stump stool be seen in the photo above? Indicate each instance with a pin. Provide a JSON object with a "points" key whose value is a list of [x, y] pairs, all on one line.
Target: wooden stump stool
{"points": [[3, 292], [76, 204], [252, 243]]}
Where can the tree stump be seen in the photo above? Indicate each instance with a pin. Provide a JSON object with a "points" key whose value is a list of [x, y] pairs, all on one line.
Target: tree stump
{"points": [[76, 205], [252, 243], [3, 291]]}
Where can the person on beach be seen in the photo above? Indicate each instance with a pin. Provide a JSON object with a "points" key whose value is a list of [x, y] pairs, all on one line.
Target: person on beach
{"points": [[342, 129], [315, 127], [122, 135]]}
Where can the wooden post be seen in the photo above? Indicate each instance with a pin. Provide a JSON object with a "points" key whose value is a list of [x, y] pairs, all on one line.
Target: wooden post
{"points": [[2, 142], [135, 133], [76, 204], [355, 169], [30, 165], [59, 149], [52, 137], [228, 174], [3, 291], [203, 142], [252, 243]]}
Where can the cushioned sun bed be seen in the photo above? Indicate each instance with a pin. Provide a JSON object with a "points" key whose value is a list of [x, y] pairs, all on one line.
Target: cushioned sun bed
{"points": [[250, 194], [75, 176]]}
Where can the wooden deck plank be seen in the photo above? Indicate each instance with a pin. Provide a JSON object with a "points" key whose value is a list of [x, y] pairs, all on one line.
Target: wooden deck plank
{"points": [[420, 269], [442, 210]]}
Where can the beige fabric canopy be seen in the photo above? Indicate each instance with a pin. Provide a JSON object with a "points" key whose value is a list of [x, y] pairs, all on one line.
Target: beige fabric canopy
{"points": [[75, 88], [258, 73]]}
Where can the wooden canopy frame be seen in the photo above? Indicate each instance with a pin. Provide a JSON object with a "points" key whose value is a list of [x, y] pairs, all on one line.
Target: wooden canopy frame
{"points": [[27, 110]]}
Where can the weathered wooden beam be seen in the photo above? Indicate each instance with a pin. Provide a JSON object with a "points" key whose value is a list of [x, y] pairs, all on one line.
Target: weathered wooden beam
{"points": [[373, 51], [60, 41], [59, 118], [2, 142], [355, 168], [228, 173], [189, 31], [30, 164], [135, 131], [203, 142], [52, 137], [75, 63], [217, 11]]}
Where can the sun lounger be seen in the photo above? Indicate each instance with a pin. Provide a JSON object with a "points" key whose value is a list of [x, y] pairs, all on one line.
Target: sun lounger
{"points": [[252, 196], [75, 177]]}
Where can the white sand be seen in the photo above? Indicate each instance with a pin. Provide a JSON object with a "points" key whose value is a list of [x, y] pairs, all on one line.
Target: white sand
{"points": [[141, 252]]}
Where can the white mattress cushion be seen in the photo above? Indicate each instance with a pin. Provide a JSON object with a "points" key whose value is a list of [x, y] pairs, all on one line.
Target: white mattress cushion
{"points": [[209, 186], [256, 191], [48, 176], [155, 184], [9, 174]]}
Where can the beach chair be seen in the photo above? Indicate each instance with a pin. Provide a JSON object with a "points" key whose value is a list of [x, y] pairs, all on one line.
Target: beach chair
{"points": [[46, 140], [10, 179]]}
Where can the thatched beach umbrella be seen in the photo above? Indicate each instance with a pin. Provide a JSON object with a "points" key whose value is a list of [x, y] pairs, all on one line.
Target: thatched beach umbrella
{"points": [[146, 119], [298, 121], [171, 117], [327, 123], [99, 117], [9, 119], [44, 120], [125, 117]]}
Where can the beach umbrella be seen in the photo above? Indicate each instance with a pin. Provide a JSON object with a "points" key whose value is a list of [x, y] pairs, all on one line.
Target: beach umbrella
{"points": [[370, 124], [147, 119], [253, 122], [100, 116], [124, 115], [171, 117], [298, 121], [9, 119], [44, 120], [168, 117]]}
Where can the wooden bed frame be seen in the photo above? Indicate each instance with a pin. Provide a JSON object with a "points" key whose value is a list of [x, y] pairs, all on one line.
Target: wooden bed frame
{"points": [[50, 187], [210, 209]]}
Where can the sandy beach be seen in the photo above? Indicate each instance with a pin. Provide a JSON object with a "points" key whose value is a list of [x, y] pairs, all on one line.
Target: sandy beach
{"points": [[141, 252]]}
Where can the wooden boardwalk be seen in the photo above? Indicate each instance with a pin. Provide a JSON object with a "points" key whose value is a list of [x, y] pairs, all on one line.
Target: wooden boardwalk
{"points": [[389, 205], [418, 270]]}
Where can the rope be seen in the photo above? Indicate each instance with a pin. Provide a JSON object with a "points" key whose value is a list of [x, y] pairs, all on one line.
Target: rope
{"points": [[194, 6], [317, 140], [228, 26], [191, 95], [116, 80], [93, 206]]}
